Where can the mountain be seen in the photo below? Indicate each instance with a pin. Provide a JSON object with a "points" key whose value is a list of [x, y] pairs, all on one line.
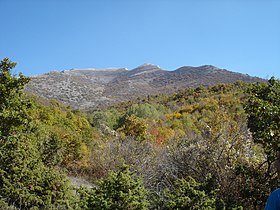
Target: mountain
{"points": [[91, 88]]}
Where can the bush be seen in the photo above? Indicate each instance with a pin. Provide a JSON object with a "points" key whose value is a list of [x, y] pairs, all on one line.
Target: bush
{"points": [[190, 194], [119, 191]]}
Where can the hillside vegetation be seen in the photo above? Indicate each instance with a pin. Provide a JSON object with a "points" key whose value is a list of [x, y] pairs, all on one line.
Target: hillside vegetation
{"points": [[201, 148]]}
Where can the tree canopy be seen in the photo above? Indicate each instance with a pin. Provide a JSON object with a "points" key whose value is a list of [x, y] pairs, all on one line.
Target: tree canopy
{"points": [[263, 108]]}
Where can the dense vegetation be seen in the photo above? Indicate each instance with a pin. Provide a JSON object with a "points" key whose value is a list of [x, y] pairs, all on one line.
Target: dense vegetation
{"points": [[189, 150]]}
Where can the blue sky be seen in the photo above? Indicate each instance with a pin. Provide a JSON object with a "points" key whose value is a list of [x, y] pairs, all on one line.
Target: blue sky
{"points": [[238, 35]]}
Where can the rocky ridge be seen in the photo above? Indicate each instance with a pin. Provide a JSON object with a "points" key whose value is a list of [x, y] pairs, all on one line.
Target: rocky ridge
{"points": [[92, 88]]}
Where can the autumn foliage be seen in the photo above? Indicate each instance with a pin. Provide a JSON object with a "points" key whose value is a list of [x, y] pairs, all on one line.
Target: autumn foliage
{"points": [[202, 148]]}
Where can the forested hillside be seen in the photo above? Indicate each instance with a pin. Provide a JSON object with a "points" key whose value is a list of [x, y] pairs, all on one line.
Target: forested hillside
{"points": [[202, 148]]}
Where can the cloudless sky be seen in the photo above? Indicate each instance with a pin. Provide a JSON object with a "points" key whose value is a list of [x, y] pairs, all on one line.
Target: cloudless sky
{"points": [[238, 35]]}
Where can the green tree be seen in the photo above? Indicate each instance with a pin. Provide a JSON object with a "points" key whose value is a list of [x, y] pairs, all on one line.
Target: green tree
{"points": [[13, 109], [121, 190], [144, 111], [109, 118], [263, 109], [25, 181], [190, 194]]}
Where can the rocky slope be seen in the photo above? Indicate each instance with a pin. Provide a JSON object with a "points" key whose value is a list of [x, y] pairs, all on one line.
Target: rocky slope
{"points": [[90, 88]]}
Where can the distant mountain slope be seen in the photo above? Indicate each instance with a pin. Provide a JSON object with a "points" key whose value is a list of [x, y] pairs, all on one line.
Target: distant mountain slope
{"points": [[85, 88]]}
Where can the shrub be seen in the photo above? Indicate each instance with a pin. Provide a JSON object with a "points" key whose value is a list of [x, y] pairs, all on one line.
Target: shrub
{"points": [[120, 190]]}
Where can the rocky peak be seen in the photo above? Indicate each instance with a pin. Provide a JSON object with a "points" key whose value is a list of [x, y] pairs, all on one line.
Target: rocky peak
{"points": [[147, 67], [201, 69], [208, 67], [95, 69]]}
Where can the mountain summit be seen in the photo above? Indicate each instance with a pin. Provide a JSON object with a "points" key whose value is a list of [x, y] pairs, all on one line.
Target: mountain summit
{"points": [[91, 87]]}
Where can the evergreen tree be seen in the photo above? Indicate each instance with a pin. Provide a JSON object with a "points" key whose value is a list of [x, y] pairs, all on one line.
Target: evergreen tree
{"points": [[119, 191], [24, 180], [190, 194]]}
